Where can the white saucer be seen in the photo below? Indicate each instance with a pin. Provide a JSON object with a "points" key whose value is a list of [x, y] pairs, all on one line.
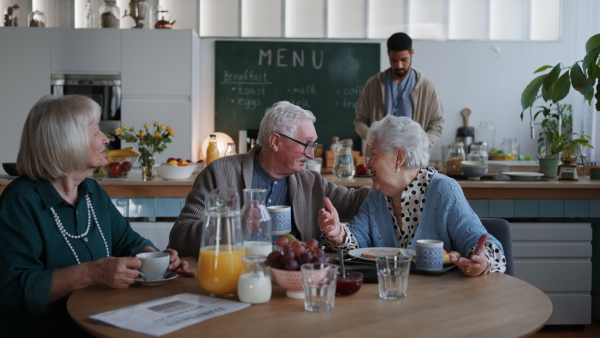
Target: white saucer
{"points": [[167, 277]]}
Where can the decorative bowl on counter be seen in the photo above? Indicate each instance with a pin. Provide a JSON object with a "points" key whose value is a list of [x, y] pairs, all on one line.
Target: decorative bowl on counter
{"points": [[473, 170], [10, 168], [170, 172]]}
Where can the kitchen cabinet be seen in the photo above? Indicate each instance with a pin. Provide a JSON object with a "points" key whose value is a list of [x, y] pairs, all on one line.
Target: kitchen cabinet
{"points": [[160, 82], [85, 51], [24, 79], [556, 258], [157, 62]]}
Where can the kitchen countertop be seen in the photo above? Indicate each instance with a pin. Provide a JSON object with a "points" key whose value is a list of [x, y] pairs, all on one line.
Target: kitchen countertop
{"points": [[483, 189]]}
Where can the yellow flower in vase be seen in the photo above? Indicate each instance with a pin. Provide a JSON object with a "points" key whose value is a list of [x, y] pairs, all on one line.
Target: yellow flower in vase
{"points": [[148, 141]]}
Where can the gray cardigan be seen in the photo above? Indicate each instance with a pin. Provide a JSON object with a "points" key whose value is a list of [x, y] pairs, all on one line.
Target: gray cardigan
{"points": [[306, 190]]}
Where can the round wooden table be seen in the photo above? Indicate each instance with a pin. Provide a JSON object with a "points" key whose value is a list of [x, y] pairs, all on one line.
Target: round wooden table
{"points": [[449, 305]]}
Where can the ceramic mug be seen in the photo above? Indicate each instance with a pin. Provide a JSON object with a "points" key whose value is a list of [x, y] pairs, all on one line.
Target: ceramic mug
{"points": [[281, 219], [154, 264], [430, 254]]}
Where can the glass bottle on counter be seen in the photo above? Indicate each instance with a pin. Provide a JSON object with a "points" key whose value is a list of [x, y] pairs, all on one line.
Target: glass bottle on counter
{"points": [[110, 14], [477, 152], [230, 149], [456, 154], [510, 147], [89, 18], [486, 132], [212, 152], [36, 19], [343, 166]]}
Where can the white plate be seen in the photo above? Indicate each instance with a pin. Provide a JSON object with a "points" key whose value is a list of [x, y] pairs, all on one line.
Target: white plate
{"points": [[356, 253], [167, 277], [523, 176]]}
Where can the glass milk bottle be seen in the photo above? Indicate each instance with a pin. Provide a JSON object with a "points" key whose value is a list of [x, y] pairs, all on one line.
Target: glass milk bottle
{"points": [[254, 285], [256, 223], [212, 152], [222, 243], [343, 166], [230, 149]]}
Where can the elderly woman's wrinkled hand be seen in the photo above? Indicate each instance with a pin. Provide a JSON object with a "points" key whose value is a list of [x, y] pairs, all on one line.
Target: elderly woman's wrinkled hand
{"points": [[115, 272], [178, 265], [477, 264]]}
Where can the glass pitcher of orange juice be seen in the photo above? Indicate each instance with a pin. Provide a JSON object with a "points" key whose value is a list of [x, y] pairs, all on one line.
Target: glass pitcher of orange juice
{"points": [[222, 244]]}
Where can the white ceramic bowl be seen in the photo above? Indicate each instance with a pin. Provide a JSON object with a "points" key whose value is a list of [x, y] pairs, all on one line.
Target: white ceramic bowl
{"points": [[169, 172], [473, 169]]}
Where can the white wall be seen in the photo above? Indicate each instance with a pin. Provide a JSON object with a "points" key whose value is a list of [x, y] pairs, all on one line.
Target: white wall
{"points": [[487, 77]]}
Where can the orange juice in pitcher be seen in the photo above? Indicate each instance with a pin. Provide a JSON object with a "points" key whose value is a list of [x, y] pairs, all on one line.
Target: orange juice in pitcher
{"points": [[221, 244], [219, 269]]}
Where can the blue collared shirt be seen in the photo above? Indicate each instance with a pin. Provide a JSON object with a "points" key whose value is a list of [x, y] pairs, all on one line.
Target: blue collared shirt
{"points": [[398, 101]]}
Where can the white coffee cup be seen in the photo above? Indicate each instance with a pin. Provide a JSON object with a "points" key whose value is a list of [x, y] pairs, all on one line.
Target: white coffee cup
{"points": [[154, 264]]}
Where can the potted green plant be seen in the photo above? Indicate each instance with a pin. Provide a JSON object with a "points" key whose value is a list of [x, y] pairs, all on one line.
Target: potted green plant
{"points": [[553, 87]]}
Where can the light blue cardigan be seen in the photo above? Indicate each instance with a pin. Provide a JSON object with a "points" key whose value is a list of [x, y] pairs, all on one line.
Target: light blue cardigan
{"points": [[446, 216]]}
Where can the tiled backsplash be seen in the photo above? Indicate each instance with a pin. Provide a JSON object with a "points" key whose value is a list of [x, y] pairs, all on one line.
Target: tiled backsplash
{"points": [[503, 208]]}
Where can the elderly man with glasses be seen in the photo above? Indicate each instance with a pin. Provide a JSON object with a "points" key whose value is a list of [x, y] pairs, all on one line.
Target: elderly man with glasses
{"points": [[286, 140]]}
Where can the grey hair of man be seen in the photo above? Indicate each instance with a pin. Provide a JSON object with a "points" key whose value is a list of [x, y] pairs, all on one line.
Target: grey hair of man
{"points": [[56, 136], [393, 132], [283, 118]]}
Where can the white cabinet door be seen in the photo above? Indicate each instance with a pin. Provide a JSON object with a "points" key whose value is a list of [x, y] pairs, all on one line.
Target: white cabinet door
{"points": [[157, 62], [24, 79], [86, 51], [173, 112]]}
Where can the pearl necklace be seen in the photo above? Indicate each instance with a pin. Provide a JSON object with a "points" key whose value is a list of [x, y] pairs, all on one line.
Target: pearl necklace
{"points": [[65, 234]]}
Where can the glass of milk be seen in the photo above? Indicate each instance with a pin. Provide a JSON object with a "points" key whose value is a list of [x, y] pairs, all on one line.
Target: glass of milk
{"points": [[254, 285]]}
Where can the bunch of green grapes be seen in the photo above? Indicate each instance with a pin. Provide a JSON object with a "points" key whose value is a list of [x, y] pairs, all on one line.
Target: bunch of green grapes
{"points": [[295, 253]]}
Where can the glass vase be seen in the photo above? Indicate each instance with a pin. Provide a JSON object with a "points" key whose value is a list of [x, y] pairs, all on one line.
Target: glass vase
{"points": [[147, 163]]}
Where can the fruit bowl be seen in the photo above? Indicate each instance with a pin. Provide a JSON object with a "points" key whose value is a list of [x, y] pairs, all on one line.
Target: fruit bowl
{"points": [[170, 172], [117, 167], [291, 281]]}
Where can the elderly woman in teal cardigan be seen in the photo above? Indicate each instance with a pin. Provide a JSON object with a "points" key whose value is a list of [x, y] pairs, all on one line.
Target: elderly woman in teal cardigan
{"points": [[412, 201], [59, 230]]}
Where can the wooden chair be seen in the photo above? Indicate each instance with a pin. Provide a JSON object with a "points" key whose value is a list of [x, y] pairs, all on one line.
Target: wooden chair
{"points": [[500, 228]]}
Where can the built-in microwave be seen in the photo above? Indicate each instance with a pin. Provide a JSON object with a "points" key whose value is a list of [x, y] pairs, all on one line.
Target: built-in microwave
{"points": [[104, 89]]}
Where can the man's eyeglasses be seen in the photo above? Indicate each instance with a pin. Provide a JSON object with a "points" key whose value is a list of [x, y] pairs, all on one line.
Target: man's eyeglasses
{"points": [[307, 146]]}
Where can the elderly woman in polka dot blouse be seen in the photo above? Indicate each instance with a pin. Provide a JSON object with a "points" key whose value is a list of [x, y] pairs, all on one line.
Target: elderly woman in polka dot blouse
{"points": [[59, 230], [411, 201]]}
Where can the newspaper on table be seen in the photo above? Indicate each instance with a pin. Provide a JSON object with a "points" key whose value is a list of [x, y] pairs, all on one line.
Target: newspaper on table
{"points": [[165, 315]]}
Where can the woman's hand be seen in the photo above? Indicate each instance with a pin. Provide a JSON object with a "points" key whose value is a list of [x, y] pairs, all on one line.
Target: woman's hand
{"points": [[114, 272], [478, 263], [329, 221], [178, 265]]}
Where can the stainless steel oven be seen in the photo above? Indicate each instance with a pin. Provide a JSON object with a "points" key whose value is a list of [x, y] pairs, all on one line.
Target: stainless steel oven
{"points": [[104, 89]]}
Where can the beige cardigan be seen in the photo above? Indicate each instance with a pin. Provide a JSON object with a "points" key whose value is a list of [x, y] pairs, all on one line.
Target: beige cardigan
{"points": [[428, 110], [306, 190]]}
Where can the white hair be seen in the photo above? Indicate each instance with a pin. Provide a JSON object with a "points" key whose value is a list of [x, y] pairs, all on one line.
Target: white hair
{"points": [[283, 118], [393, 132]]}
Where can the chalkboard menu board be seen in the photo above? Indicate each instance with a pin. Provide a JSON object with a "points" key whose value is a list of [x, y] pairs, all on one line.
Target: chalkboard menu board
{"points": [[323, 77]]}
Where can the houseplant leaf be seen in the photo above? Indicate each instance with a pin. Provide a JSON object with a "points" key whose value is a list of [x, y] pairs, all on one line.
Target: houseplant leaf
{"points": [[577, 77], [530, 93], [561, 87], [549, 82], [593, 42]]}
